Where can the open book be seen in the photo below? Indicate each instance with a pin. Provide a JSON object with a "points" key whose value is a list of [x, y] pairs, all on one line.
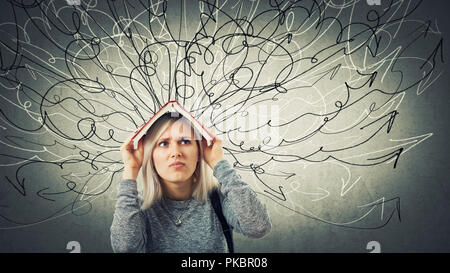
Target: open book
{"points": [[172, 107]]}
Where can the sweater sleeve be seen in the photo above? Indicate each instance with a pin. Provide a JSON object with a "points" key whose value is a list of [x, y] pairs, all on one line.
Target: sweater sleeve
{"points": [[128, 229], [242, 209]]}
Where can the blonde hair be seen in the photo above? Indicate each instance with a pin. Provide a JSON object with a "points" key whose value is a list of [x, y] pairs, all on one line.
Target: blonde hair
{"points": [[152, 191]]}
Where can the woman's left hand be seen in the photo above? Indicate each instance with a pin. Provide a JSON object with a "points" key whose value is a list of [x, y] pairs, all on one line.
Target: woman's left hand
{"points": [[213, 153]]}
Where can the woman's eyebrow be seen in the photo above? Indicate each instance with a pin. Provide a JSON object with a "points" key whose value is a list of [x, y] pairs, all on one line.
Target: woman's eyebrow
{"points": [[181, 137]]}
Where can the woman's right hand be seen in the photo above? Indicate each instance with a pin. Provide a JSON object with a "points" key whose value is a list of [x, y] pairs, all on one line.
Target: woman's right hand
{"points": [[132, 159]]}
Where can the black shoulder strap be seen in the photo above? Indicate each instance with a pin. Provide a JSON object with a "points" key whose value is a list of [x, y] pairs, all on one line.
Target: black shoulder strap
{"points": [[227, 231]]}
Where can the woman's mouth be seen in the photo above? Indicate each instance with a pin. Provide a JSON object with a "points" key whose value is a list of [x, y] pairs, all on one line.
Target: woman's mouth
{"points": [[177, 165]]}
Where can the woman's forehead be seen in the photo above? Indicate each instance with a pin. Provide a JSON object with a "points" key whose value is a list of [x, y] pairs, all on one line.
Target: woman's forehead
{"points": [[178, 129]]}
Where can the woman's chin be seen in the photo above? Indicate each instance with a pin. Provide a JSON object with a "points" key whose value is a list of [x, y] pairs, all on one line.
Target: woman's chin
{"points": [[178, 180]]}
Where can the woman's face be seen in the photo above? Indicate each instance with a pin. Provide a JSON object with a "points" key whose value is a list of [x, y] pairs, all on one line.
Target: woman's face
{"points": [[176, 144]]}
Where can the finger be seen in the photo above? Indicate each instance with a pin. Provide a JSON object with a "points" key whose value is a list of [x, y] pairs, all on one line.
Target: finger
{"points": [[127, 148], [217, 140], [130, 137], [141, 145], [210, 144]]}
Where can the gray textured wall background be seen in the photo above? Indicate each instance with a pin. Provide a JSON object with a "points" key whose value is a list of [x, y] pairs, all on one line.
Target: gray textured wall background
{"points": [[403, 208]]}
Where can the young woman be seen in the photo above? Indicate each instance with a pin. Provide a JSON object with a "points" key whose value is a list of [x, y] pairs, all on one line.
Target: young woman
{"points": [[175, 213]]}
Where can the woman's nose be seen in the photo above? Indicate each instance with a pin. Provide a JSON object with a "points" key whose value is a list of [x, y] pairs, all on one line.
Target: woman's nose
{"points": [[175, 151]]}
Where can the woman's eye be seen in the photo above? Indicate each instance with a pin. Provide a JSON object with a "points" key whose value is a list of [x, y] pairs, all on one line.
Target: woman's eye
{"points": [[162, 143], [183, 141]]}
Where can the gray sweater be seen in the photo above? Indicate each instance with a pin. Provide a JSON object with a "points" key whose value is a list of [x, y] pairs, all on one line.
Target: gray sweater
{"points": [[153, 230]]}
